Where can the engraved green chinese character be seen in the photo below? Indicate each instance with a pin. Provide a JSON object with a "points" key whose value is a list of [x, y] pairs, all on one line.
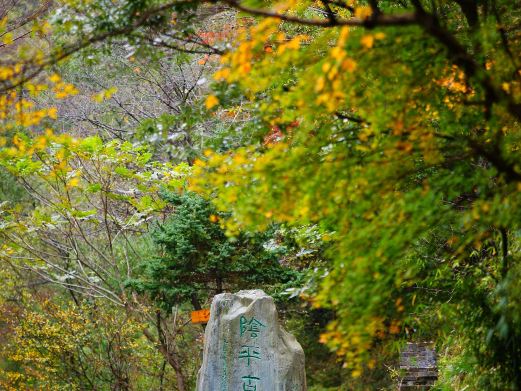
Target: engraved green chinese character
{"points": [[249, 383], [252, 326], [248, 352]]}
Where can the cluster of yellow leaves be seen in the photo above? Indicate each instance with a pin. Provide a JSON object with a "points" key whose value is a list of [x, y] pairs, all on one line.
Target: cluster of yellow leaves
{"points": [[350, 347], [229, 172], [363, 12], [265, 49], [368, 40], [104, 95], [24, 147], [38, 342], [354, 346], [41, 28], [329, 86], [211, 102], [35, 89], [62, 89], [72, 168], [6, 103], [457, 86], [230, 168], [336, 68], [40, 339], [26, 117], [19, 111], [261, 47], [238, 63], [10, 71], [455, 81], [8, 38]]}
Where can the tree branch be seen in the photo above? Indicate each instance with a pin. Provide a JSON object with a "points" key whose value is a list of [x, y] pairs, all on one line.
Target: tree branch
{"points": [[504, 251], [459, 55], [378, 20]]}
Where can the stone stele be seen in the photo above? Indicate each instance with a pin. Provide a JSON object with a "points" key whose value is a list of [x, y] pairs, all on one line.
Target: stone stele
{"points": [[246, 349]]}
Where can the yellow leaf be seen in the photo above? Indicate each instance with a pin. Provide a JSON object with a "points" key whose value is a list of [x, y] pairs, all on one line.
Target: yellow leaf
{"points": [[52, 113], [321, 82], [8, 39], [40, 142], [344, 32], [198, 163], [35, 89], [98, 98], [65, 89], [55, 78], [74, 182], [349, 65], [356, 373], [239, 159], [338, 53], [324, 337], [104, 95], [363, 12], [367, 41], [211, 102], [326, 67], [222, 74], [3, 23], [6, 73]]}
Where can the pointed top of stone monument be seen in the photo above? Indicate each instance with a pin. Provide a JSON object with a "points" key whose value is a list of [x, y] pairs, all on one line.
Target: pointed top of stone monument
{"points": [[253, 293]]}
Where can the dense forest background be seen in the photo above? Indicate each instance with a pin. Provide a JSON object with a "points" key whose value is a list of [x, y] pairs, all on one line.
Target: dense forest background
{"points": [[358, 160]]}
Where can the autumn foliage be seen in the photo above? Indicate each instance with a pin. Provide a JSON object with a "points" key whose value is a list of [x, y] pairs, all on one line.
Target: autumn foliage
{"points": [[363, 156]]}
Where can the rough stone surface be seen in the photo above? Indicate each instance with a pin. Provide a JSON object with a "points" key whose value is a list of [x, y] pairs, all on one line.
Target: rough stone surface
{"points": [[418, 365], [246, 349]]}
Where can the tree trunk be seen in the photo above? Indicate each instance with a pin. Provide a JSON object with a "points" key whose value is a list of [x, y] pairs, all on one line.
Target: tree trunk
{"points": [[170, 358], [219, 284]]}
